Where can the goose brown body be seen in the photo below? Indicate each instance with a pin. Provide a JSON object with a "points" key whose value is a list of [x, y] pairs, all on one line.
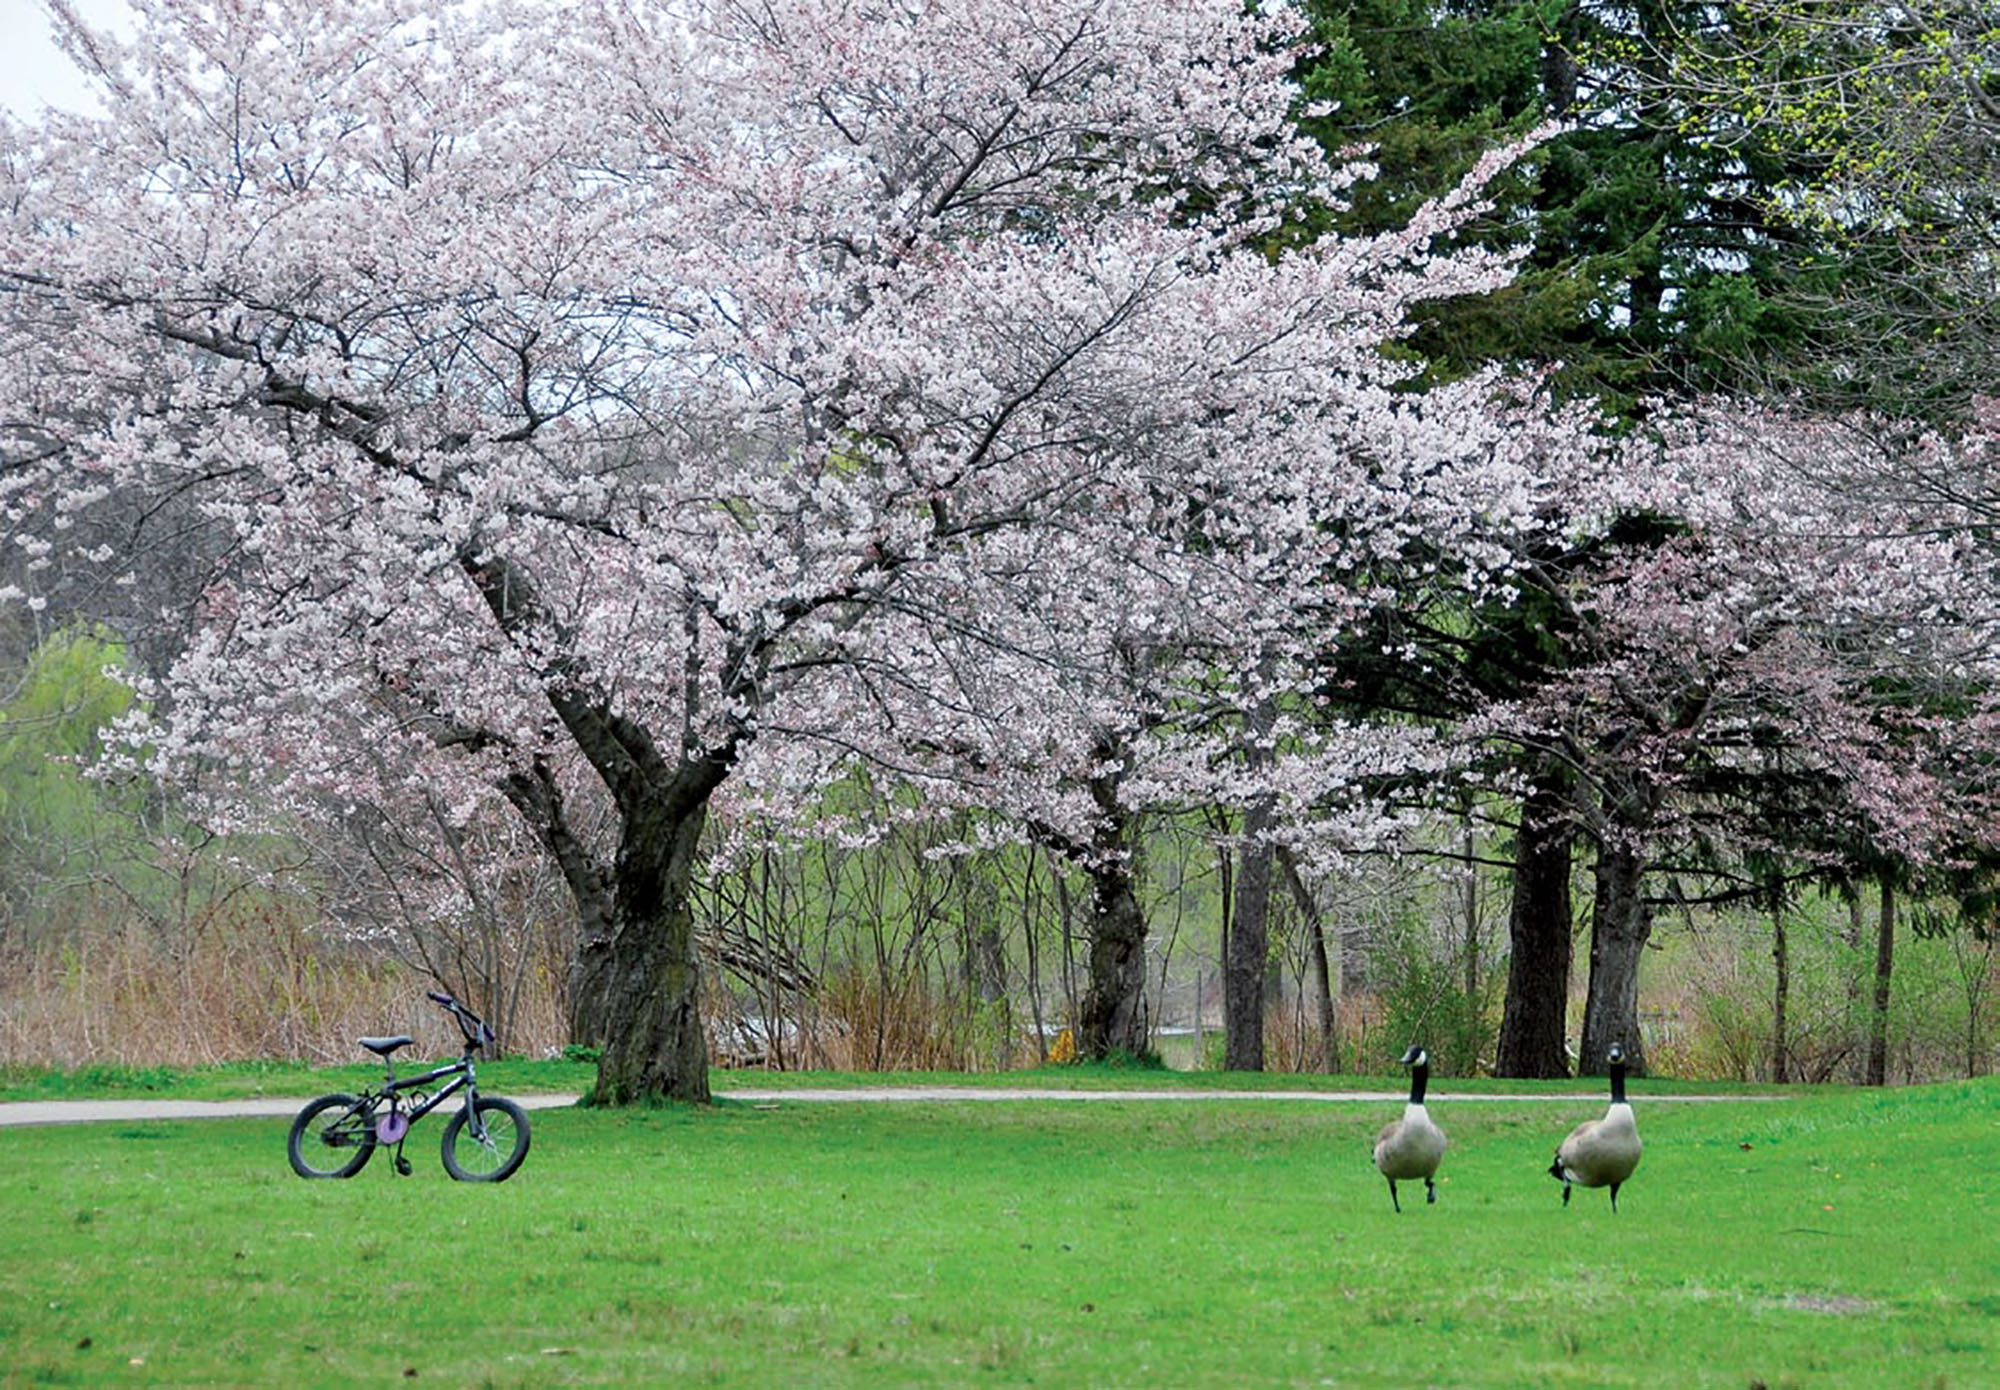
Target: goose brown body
{"points": [[1602, 1153], [1411, 1148]]}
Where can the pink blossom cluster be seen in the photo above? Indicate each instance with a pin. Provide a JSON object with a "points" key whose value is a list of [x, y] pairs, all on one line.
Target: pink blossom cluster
{"points": [[1808, 613], [662, 383], [727, 396]]}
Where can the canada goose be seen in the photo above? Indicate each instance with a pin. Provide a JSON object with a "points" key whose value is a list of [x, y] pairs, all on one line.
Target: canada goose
{"points": [[1602, 1153], [1411, 1147]]}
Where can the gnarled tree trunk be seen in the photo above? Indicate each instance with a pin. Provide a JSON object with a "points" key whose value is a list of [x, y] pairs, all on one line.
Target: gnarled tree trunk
{"points": [[1620, 923], [1781, 961], [1539, 922], [1247, 959], [1112, 1017], [1246, 955], [635, 987], [635, 991], [1114, 1001], [1885, 965]]}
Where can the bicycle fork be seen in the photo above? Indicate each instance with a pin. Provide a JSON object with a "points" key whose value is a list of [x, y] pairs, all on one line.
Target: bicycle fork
{"points": [[474, 1124]]}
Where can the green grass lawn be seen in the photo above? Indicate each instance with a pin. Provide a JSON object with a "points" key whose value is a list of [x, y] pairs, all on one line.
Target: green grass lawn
{"points": [[1837, 1238]]}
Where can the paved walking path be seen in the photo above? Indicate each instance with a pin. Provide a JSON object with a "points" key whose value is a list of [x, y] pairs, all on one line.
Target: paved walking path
{"points": [[60, 1112], [892, 1093]]}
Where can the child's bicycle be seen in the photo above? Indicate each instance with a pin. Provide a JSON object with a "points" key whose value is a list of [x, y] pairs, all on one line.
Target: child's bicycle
{"points": [[336, 1135]]}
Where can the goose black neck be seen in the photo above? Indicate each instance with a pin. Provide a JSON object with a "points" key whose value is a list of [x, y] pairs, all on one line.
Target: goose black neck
{"points": [[1420, 1077], [1618, 1083]]}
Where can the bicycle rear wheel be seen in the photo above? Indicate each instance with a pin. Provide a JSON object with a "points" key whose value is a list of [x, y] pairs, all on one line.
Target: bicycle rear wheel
{"points": [[332, 1138], [469, 1157]]}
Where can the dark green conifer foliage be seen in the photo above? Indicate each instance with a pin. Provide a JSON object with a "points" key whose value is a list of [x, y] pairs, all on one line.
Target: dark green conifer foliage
{"points": [[1650, 261], [1650, 266]]}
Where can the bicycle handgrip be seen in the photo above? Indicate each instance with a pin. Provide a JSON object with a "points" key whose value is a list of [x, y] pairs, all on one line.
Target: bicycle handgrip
{"points": [[444, 999]]}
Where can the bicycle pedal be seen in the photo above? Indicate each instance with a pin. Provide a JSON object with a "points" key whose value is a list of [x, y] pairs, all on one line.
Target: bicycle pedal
{"points": [[403, 1169]]}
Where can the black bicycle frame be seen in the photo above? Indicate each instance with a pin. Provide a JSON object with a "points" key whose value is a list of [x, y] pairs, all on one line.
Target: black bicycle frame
{"points": [[464, 1079]]}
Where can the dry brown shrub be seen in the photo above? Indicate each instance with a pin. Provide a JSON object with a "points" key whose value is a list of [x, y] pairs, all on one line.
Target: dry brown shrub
{"points": [[857, 1022], [255, 982]]}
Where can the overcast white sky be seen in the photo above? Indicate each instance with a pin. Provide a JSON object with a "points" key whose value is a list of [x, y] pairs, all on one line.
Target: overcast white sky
{"points": [[32, 72]]}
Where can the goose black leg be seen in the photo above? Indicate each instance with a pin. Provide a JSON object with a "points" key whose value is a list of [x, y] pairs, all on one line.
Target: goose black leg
{"points": [[1430, 1192], [1614, 1196], [1565, 1194], [1392, 1195]]}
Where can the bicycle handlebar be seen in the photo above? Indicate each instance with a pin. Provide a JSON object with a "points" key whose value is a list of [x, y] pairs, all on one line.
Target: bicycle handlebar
{"points": [[475, 1029]]}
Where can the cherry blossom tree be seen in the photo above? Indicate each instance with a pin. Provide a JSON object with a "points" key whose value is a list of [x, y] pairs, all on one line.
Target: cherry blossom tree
{"points": [[1096, 771], [1463, 622], [1098, 691], [1765, 664], [607, 384], [1103, 688]]}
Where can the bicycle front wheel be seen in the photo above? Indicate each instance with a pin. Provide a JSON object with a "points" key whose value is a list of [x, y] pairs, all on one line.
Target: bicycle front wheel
{"points": [[495, 1150], [333, 1137]]}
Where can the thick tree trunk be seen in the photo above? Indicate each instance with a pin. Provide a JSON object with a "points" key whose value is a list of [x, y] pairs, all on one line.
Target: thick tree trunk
{"points": [[1111, 1018], [1781, 960], [1246, 965], [1885, 963], [1620, 922], [1113, 1014], [1539, 920], [1471, 901], [635, 992], [1325, 976], [635, 986], [1246, 956], [1325, 1010], [986, 972], [1559, 64], [1857, 1041], [989, 964]]}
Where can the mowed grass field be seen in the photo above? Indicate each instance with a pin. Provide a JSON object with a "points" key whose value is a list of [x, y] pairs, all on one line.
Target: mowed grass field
{"points": [[1826, 1238]]}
